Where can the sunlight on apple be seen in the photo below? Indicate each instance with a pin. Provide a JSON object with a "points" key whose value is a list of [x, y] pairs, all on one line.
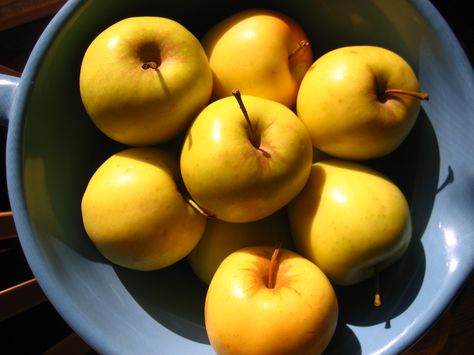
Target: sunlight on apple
{"points": [[216, 131], [338, 196], [112, 43], [144, 107], [124, 179], [248, 34], [339, 73], [336, 102], [239, 292]]}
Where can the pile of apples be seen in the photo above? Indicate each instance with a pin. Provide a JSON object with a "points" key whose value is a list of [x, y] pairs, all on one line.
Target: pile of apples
{"points": [[267, 195]]}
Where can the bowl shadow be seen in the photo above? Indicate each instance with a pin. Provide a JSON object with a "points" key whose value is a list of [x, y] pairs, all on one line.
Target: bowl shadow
{"points": [[343, 342], [173, 297]]}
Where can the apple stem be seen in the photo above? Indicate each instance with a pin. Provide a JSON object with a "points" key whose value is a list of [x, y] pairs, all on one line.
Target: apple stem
{"points": [[150, 65], [301, 44], [238, 97], [198, 208], [377, 300], [272, 269], [253, 137], [417, 94]]}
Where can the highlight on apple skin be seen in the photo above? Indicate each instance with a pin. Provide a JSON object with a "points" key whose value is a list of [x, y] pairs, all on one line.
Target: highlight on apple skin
{"points": [[143, 79], [260, 52], [134, 213], [266, 301], [221, 238], [244, 159], [359, 102], [350, 220]]}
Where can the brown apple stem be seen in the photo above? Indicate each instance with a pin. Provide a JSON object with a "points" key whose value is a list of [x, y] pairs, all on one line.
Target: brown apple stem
{"points": [[273, 267], [377, 300], [238, 97], [253, 138], [417, 94], [301, 44], [198, 208], [150, 65]]}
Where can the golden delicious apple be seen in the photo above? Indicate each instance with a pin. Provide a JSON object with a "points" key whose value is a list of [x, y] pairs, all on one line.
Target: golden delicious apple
{"points": [[263, 300], [143, 79], [222, 238], [134, 213], [359, 102], [261, 53], [244, 159], [348, 220]]}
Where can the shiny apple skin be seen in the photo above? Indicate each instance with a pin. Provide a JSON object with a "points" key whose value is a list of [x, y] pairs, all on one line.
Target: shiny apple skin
{"points": [[234, 180], [348, 219], [243, 316], [251, 51], [134, 213], [342, 104], [137, 106], [221, 238]]}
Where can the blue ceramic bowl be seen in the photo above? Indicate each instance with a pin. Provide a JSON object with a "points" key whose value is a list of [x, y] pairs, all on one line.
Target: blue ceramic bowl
{"points": [[52, 149]]}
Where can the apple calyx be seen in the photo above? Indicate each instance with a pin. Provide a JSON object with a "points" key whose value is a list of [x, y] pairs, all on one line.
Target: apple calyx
{"points": [[301, 44], [377, 300], [416, 94], [150, 65], [273, 267], [254, 139]]}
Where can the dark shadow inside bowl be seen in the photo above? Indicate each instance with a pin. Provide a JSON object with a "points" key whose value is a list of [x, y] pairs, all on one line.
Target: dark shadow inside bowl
{"points": [[173, 296], [344, 341]]}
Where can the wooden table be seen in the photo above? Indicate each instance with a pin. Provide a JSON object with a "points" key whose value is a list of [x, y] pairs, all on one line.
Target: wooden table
{"points": [[21, 22]]}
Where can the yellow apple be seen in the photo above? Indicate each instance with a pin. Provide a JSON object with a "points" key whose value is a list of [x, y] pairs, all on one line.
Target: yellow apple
{"points": [[266, 301], [134, 213], [359, 102], [241, 165], [222, 238], [260, 52], [143, 79], [348, 220]]}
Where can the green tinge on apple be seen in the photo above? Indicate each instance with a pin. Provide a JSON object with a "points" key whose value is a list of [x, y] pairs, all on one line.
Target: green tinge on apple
{"points": [[231, 178], [348, 219], [134, 214], [143, 79], [359, 102]]}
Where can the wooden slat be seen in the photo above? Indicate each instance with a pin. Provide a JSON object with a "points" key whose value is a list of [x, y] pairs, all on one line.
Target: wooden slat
{"points": [[7, 226], [25, 295], [17, 12], [19, 298], [9, 71], [71, 345]]}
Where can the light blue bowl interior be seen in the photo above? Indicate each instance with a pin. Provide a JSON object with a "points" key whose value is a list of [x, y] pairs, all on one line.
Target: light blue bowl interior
{"points": [[53, 148]]}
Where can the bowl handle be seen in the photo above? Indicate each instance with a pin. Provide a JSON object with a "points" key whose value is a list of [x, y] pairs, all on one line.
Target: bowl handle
{"points": [[9, 80]]}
